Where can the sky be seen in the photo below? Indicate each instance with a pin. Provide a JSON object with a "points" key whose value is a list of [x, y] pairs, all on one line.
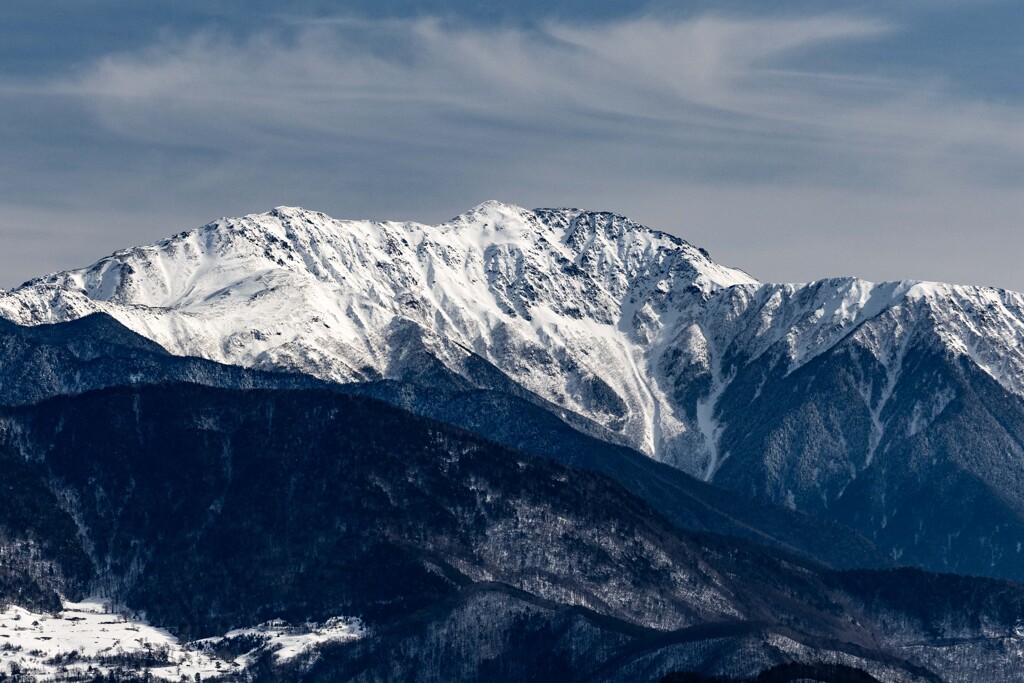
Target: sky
{"points": [[795, 140]]}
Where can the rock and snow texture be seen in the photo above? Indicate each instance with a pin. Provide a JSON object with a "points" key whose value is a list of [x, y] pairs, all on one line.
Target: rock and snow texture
{"points": [[630, 327]]}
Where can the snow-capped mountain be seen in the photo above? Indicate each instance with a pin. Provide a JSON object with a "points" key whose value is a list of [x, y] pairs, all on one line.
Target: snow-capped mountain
{"points": [[576, 306], [893, 407]]}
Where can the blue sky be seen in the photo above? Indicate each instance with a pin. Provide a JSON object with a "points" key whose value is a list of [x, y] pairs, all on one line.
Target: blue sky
{"points": [[797, 140]]}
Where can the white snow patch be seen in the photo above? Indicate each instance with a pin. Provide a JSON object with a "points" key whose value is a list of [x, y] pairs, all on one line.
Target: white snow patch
{"points": [[706, 405], [287, 642], [90, 637], [87, 636]]}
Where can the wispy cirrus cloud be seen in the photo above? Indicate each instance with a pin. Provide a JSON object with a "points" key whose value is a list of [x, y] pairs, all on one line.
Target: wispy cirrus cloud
{"points": [[583, 78], [728, 120]]}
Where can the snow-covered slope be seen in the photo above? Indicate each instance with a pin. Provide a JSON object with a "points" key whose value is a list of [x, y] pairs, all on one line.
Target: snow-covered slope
{"points": [[91, 637], [680, 357], [632, 327], [573, 305]]}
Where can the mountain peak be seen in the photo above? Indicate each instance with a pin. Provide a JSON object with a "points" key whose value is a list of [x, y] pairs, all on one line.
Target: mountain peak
{"points": [[491, 213], [287, 210], [489, 205]]}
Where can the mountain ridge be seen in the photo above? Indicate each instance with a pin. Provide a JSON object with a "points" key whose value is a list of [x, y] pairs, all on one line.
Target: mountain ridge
{"points": [[288, 246], [635, 330]]}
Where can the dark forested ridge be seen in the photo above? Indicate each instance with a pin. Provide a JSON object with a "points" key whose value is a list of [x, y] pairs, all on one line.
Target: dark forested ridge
{"points": [[96, 351], [218, 493], [212, 509]]}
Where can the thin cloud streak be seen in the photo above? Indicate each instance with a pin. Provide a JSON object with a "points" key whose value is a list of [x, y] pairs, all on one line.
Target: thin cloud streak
{"points": [[687, 72]]}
